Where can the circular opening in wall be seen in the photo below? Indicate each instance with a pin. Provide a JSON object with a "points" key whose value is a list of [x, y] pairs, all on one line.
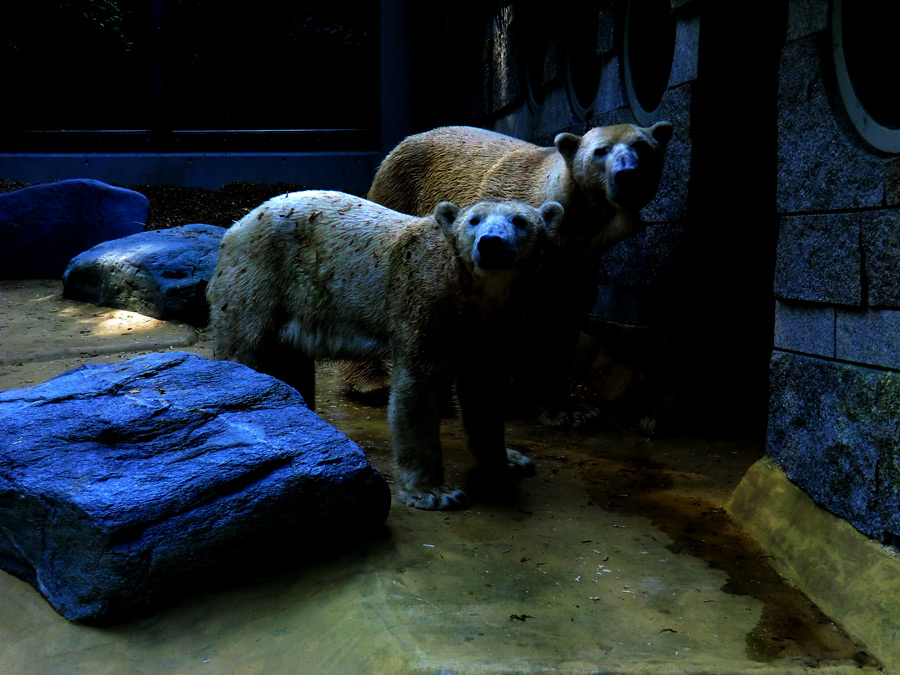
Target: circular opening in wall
{"points": [[866, 59], [537, 45], [648, 47], [584, 64], [535, 57]]}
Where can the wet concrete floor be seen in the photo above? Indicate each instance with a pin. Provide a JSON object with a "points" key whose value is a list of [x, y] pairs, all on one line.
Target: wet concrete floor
{"points": [[617, 557]]}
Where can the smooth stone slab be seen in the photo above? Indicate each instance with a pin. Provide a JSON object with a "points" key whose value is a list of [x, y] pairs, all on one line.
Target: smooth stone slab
{"points": [[43, 227], [125, 485], [161, 273]]}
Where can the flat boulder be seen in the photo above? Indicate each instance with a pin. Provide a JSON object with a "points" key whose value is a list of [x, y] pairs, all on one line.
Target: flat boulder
{"points": [[43, 227], [126, 485], [160, 273]]}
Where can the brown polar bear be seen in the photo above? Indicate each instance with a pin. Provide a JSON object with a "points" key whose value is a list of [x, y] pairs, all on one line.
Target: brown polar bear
{"points": [[601, 179], [323, 275]]}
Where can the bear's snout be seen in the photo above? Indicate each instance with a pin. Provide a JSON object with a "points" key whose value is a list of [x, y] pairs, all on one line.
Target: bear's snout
{"points": [[494, 252], [627, 184]]}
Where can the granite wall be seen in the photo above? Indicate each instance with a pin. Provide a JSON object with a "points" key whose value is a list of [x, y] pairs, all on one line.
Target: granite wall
{"points": [[835, 371]]}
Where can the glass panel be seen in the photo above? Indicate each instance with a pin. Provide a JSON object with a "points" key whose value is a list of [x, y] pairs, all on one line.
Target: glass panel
{"points": [[650, 49], [271, 65], [77, 64], [870, 49], [90, 65]]}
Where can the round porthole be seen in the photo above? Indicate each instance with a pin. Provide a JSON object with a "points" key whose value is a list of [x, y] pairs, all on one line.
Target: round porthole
{"points": [[534, 74], [866, 61], [648, 48], [538, 47], [583, 63]]}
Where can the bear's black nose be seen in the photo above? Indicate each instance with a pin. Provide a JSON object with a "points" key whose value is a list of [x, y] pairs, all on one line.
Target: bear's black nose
{"points": [[628, 187], [490, 245], [627, 178], [493, 252]]}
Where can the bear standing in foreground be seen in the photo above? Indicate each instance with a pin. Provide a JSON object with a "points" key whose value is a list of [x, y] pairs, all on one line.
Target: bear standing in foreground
{"points": [[323, 275], [601, 179]]}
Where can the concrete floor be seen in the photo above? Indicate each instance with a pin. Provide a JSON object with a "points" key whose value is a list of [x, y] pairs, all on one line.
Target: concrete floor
{"points": [[618, 556]]}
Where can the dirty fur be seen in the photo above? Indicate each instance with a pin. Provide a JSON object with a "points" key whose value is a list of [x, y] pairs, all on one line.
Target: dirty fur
{"points": [[324, 275]]}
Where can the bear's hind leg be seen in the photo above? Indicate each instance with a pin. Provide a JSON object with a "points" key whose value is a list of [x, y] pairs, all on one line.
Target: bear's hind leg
{"points": [[300, 373], [292, 367], [414, 419], [480, 385]]}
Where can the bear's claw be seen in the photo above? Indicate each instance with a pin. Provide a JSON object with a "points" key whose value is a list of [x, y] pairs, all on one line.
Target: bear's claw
{"points": [[578, 416], [518, 464], [433, 499]]}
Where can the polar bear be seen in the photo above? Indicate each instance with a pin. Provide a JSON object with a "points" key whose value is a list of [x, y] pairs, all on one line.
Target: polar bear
{"points": [[602, 179], [324, 275]]}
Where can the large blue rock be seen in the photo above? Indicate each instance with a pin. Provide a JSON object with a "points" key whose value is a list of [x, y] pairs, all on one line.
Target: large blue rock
{"points": [[161, 273], [43, 227], [124, 485]]}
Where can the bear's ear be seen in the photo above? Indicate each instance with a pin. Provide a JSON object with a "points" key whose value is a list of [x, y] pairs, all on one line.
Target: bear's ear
{"points": [[662, 132], [552, 213], [567, 145], [445, 214]]}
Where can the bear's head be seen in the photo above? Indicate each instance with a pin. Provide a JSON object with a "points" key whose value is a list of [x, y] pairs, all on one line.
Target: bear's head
{"points": [[498, 235], [620, 164]]}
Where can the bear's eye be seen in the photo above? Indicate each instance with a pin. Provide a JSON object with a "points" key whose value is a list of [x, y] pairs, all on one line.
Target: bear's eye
{"points": [[520, 221], [474, 220], [600, 151]]}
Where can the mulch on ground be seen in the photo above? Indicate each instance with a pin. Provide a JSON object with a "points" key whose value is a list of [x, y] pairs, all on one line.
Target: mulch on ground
{"points": [[173, 205]]}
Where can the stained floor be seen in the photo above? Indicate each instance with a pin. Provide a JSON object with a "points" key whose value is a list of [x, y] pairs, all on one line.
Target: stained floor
{"points": [[617, 557]]}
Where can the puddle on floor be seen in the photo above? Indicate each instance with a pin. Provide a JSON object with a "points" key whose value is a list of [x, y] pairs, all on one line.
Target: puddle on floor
{"points": [[790, 626], [616, 557]]}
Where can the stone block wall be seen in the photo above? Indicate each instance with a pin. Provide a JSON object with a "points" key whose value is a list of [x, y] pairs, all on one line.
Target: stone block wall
{"points": [[834, 420]]}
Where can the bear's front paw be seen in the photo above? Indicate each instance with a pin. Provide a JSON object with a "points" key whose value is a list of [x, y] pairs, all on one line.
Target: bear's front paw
{"points": [[559, 419], [518, 464], [574, 417], [432, 499]]}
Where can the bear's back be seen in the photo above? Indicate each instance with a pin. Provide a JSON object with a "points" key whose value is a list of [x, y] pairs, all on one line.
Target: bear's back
{"points": [[323, 258], [315, 232], [444, 164]]}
